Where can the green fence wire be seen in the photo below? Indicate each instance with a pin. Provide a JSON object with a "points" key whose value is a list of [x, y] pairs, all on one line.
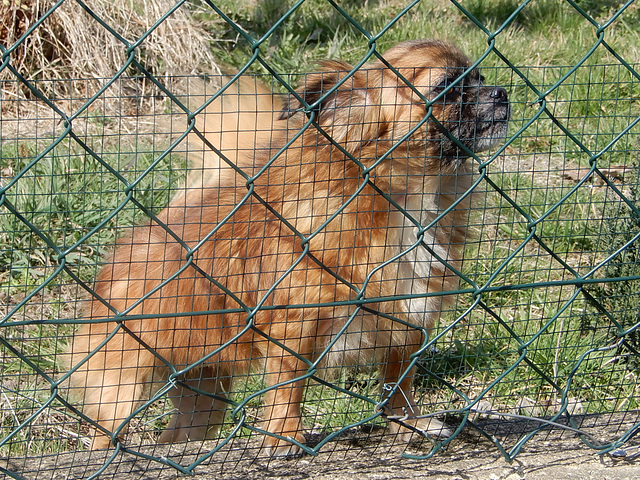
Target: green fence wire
{"points": [[540, 342]]}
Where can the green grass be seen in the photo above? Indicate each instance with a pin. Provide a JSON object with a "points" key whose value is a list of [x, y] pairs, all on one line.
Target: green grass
{"points": [[545, 33], [68, 193], [65, 196], [543, 321]]}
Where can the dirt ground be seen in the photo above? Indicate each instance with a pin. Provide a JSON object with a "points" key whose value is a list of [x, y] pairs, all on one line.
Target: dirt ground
{"points": [[577, 463], [550, 455]]}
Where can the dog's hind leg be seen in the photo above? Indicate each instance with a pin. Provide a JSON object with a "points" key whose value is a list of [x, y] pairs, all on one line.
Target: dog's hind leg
{"points": [[200, 405], [113, 385]]}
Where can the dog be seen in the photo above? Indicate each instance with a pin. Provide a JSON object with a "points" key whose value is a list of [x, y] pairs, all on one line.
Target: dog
{"points": [[329, 237]]}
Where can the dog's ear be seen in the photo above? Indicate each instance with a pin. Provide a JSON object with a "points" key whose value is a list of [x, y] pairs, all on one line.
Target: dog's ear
{"points": [[349, 114], [318, 84]]}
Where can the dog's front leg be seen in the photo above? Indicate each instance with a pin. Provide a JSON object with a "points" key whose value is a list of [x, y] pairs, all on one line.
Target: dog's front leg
{"points": [[403, 407], [285, 376]]}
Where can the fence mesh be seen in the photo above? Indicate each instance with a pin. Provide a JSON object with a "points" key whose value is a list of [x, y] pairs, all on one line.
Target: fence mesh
{"points": [[539, 339]]}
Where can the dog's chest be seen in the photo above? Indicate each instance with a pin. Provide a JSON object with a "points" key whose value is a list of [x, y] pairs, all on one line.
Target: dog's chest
{"points": [[421, 237], [423, 252]]}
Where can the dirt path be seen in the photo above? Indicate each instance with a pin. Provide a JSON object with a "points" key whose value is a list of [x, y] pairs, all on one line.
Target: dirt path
{"points": [[551, 455]]}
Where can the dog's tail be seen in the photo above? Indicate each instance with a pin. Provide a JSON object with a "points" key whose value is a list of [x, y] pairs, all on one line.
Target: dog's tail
{"points": [[230, 130]]}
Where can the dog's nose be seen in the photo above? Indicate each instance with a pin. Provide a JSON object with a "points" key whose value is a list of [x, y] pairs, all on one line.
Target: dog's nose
{"points": [[499, 94]]}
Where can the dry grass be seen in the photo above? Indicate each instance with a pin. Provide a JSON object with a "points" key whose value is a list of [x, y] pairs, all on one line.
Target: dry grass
{"points": [[69, 43]]}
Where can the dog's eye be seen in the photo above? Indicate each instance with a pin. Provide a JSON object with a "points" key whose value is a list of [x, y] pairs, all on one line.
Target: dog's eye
{"points": [[446, 83]]}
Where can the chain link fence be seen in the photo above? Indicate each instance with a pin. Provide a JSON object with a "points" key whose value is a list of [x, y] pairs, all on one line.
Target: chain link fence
{"points": [[539, 341]]}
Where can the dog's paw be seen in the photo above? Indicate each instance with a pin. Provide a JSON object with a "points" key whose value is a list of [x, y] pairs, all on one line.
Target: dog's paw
{"points": [[283, 448], [433, 428], [100, 441], [416, 430], [177, 434]]}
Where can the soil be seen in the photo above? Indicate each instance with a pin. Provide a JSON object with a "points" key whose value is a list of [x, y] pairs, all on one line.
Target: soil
{"points": [[549, 455]]}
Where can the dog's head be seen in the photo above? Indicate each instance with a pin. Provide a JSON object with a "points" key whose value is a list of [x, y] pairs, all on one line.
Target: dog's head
{"points": [[412, 104]]}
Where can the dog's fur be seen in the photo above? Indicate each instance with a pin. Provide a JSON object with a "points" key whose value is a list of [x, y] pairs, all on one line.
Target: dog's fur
{"points": [[314, 231]]}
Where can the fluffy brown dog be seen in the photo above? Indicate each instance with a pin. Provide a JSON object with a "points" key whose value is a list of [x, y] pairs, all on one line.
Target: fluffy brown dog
{"points": [[314, 237]]}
